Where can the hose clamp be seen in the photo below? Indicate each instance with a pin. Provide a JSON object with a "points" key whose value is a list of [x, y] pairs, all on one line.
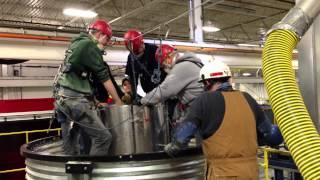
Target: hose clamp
{"points": [[296, 20]]}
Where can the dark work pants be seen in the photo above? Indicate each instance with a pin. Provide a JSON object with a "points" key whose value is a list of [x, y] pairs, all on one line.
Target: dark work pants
{"points": [[86, 123]]}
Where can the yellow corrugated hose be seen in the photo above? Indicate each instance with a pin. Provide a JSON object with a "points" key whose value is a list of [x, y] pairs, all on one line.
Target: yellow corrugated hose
{"points": [[287, 104]]}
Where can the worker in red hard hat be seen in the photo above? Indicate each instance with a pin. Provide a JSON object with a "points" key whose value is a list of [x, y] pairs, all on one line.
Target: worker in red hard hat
{"points": [[141, 63], [181, 81], [75, 92]]}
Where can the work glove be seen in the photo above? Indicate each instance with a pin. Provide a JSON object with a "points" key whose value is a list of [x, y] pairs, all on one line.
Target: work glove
{"points": [[137, 101], [126, 99], [172, 148], [144, 101]]}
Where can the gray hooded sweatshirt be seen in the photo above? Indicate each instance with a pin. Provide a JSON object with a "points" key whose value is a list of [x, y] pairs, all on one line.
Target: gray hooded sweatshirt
{"points": [[182, 81]]}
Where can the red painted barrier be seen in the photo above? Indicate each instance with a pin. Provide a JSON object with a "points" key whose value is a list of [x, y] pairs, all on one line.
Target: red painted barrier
{"points": [[26, 105]]}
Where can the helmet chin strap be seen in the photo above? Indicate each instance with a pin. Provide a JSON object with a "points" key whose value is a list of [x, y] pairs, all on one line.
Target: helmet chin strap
{"points": [[174, 59]]}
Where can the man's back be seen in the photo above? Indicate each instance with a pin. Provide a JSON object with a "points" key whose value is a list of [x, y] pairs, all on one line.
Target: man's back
{"points": [[187, 69], [83, 58], [236, 137], [230, 149]]}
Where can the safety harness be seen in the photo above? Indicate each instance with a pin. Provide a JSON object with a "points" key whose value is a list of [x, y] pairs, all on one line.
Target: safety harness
{"points": [[184, 106]]}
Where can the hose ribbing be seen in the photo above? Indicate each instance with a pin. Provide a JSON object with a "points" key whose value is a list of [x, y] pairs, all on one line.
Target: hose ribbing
{"points": [[287, 104]]}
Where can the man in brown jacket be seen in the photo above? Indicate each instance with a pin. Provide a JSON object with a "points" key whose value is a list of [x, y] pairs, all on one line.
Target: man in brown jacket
{"points": [[230, 122]]}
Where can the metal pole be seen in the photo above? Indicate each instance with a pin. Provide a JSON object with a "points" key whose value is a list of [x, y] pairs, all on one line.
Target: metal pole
{"points": [[191, 20], [195, 21]]}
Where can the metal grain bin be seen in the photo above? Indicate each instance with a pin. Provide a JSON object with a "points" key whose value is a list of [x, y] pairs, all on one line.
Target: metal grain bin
{"points": [[45, 162], [137, 129]]}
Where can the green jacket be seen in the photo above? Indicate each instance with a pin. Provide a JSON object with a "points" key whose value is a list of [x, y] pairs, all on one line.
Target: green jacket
{"points": [[84, 56]]}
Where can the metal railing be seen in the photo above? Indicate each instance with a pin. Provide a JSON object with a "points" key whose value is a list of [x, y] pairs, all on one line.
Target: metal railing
{"points": [[27, 141], [21, 116], [265, 164]]}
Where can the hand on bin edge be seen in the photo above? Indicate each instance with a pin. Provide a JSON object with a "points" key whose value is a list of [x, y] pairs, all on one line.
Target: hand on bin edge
{"points": [[126, 98], [173, 148], [137, 101]]}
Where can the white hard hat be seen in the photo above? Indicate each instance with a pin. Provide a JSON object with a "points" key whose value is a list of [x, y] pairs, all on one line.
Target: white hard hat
{"points": [[214, 70]]}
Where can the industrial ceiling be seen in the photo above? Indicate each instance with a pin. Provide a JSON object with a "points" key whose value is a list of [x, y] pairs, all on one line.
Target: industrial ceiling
{"points": [[240, 21]]}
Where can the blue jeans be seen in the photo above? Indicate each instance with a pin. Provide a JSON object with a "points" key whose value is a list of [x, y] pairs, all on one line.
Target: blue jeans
{"points": [[85, 121]]}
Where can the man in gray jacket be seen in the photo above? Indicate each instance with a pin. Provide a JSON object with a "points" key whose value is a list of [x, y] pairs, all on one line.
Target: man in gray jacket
{"points": [[182, 80]]}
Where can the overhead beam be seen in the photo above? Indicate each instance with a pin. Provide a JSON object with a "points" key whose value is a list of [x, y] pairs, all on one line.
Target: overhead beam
{"points": [[115, 6], [135, 11], [234, 11], [245, 32], [254, 20], [21, 6], [258, 5], [286, 1], [224, 8], [141, 2], [10, 8], [182, 15]]}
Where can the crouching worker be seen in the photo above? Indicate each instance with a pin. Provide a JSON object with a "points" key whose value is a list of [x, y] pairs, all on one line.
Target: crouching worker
{"points": [[230, 122], [74, 92], [127, 89]]}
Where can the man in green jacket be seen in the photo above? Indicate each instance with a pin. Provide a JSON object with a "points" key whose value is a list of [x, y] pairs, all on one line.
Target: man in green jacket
{"points": [[74, 91]]}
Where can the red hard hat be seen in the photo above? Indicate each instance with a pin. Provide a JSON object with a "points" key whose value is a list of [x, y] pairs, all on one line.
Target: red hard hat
{"points": [[103, 26], [136, 38], [163, 52]]}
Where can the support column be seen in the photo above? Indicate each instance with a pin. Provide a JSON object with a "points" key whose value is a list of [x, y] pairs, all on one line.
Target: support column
{"points": [[195, 21], [309, 70]]}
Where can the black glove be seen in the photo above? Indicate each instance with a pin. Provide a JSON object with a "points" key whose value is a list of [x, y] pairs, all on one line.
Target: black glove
{"points": [[172, 148], [137, 101]]}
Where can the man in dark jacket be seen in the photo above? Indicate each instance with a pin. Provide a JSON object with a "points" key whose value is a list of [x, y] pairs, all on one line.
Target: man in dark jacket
{"points": [[74, 90], [230, 122], [141, 63], [100, 92]]}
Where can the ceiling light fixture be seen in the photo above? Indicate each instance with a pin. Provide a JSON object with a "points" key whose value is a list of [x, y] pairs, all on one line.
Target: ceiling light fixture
{"points": [[246, 74], [209, 27], [79, 13]]}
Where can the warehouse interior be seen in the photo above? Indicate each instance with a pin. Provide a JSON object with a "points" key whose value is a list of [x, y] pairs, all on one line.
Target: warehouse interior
{"points": [[270, 46]]}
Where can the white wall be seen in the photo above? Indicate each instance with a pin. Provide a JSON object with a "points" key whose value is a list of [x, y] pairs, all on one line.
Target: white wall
{"points": [[257, 91], [36, 92], [36, 70], [49, 54], [11, 93]]}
